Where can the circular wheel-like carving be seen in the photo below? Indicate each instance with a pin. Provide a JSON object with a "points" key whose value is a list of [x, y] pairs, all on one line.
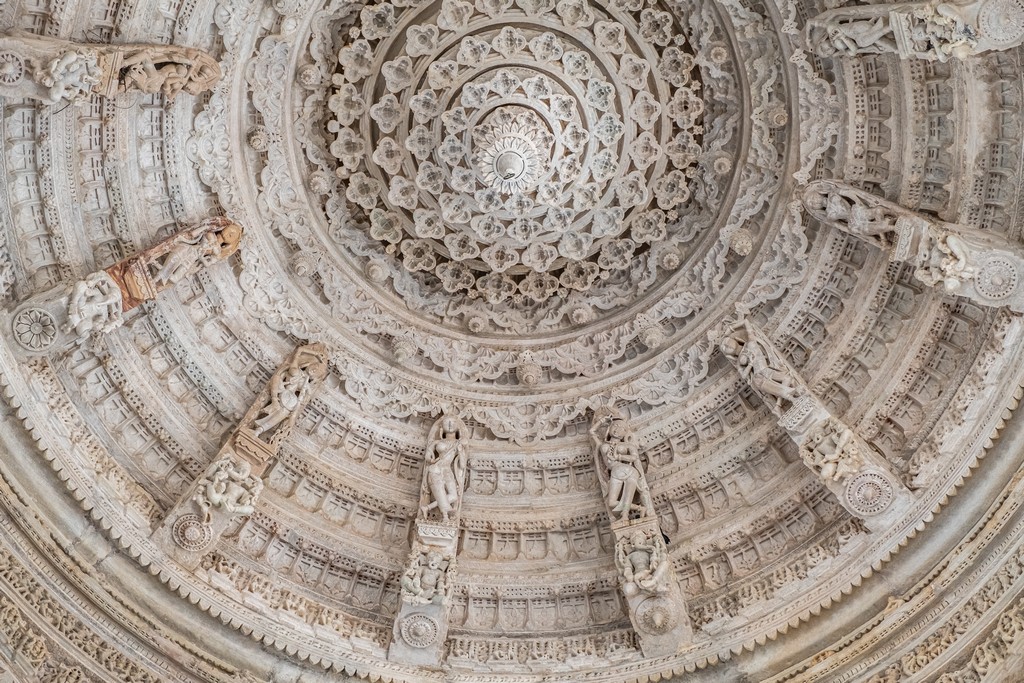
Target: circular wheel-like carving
{"points": [[35, 329], [12, 68], [997, 278], [655, 616], [869, 493], [419, 630], [1002, 21], [191, 533], [519, 155]]}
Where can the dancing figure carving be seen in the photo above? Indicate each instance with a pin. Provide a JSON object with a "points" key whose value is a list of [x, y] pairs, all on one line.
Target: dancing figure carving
{"points": [[445, 473], [619, 466]]}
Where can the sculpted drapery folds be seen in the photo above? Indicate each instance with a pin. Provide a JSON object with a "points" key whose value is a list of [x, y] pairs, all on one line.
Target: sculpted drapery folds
{"points": [[445, 472], [932, 31], [619, 466]]}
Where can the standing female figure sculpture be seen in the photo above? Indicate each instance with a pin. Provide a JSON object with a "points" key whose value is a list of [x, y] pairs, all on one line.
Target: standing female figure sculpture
{"points": [[445, 474], [619, 466]]}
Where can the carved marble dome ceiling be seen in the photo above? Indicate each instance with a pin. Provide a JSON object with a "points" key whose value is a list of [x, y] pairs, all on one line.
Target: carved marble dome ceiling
{"points": [[519, 213]]}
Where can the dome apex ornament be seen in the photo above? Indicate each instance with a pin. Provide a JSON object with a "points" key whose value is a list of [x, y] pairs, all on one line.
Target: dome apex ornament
{"points": [[526, 156]]}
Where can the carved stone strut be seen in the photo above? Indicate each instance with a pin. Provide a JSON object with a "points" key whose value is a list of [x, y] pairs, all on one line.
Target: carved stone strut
{"points": [[56, 319], [231, 485], [933, 30], [977, 264], [653, 597], [55, 70], [421, 625], [859, 477]]}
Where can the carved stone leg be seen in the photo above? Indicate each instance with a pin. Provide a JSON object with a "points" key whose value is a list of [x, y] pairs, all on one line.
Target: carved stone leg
{"points": [[421, 626], [656, 606], [233, 482], [54, 320], [859, 477]]}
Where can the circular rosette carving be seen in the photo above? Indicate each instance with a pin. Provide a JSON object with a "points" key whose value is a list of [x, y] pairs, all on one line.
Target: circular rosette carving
{"points": [[521, 159], [35, 329], [655, 616], [191, 533], [997, 278], [419, 630], [869, 493], [1002, 21], [12, 68]]}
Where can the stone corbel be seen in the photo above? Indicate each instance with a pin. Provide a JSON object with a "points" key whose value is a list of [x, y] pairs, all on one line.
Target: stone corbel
{"points": [[421, 626], [982, 266], [655, 602], [55, 70], [56, 319], [933, 30], [860, 478], [231, 485]]}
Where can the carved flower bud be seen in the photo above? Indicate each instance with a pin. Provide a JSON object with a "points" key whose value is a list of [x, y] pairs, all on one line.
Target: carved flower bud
{"points": [[528, 372], [741, 241], [476, 323], [722, 165], [309, 76], [670, 259], [403, 349], [258, 138], [652, 337], [777, 116], [718, 54], [320, 183], [303, 264], [376, 271], [581, 315]]}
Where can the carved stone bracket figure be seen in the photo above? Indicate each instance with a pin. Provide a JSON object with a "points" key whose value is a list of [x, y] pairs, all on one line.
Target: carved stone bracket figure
{"points": [[231, 485], [54, 320], [445, 471], [55, 70], [426, 579], [655, 602], [857, 475], [421, 625], [933, 30], [982, 266], [619, 467]]}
